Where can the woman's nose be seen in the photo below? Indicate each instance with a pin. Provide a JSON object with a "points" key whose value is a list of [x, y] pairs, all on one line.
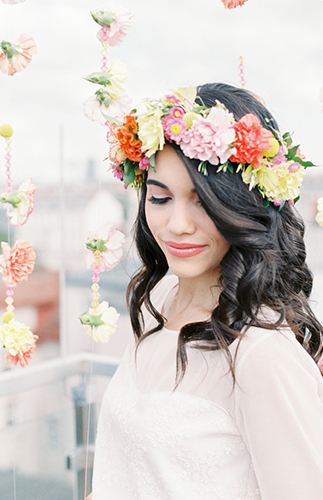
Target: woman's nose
{"points": [[181, 220]]}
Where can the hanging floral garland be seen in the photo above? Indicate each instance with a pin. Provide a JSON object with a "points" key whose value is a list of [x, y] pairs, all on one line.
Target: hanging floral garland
{"points": [[104, 252], [16, 264], [110, 100]]}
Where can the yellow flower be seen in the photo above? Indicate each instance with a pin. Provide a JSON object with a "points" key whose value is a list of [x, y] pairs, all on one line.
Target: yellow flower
{"points": [[117, 77], [150, 133], [15, 337], [277, 183], [319, 216], [6, 130], [273, 151], [187, 95]]}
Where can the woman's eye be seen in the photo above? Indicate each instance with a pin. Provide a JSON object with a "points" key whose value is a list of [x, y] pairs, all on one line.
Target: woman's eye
{"points": [[158, 201]]}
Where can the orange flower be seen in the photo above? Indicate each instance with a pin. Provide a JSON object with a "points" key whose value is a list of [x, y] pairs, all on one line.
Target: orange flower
{"points": [[126, 135], [251, 140], [16, 262]]}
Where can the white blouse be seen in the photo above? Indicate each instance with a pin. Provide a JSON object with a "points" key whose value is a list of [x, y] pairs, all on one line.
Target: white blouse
{"points": [[259, 440]]}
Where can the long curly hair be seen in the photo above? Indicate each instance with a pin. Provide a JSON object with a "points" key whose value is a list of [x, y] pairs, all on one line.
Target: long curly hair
{"points": [[265, 264]]}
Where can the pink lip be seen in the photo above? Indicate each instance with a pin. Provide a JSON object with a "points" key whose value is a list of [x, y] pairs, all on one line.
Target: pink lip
{"points": [[183, 249]]}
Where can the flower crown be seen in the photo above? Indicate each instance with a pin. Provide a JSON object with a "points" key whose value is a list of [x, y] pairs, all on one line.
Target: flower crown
{"points": [[266, 160]]}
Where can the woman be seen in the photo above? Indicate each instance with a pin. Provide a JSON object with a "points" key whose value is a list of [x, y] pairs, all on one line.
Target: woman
{"points": [[219, 397]]}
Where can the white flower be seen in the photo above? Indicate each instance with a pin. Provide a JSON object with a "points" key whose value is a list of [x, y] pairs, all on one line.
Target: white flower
{"points": [[92, 110], [100, 323], [319, 216], [23, 202], [187, 96], [117, 77]]}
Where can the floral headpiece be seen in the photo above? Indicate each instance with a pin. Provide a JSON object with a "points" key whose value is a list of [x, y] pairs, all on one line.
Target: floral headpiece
{"points": [[266, 160]]}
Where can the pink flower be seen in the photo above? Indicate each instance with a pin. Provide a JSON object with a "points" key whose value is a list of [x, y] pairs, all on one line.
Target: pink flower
{"points": [[109, 241], [232, 4], [92, 110], [16, 56], [210, 139], [176, 112], [293, 168], [117, 172], [172, 99], [116, 154], [144, 163], [115, 33], [22, 357], [16, 262], [175, 129], [280, 157]]}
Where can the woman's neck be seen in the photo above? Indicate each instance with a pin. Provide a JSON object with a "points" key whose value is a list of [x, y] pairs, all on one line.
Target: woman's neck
{"points": [[192, 300]]}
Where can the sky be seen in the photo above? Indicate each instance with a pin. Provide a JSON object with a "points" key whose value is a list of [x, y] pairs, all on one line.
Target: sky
{"points": [[171, 43]]}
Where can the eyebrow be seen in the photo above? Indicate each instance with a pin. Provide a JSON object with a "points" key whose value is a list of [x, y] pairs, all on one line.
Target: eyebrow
{"points": [[163, 186], [157, 183]]}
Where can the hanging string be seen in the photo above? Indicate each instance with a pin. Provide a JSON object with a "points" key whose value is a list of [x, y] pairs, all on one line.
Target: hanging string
{"points": [[241, 72]]}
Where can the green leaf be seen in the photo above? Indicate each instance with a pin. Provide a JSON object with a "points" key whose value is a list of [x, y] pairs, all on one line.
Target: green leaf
{"points": [[303, 163], [128, 172], [287, 139], [266, 202], [230, 167], [291, 153], [281, 206], [296, 200], [102, 17], [152, 162]]}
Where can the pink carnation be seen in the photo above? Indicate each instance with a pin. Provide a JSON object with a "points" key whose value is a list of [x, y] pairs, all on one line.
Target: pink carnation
{"points": [[144, 163], [22, 357], [113, 241], [115, 34], [210, 139], [232, 4], [16, 262], [23, 49]]}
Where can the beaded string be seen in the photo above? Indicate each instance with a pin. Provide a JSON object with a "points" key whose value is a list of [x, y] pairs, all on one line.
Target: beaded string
{"points": [[95, 278], [241, 72], [104, 41]]}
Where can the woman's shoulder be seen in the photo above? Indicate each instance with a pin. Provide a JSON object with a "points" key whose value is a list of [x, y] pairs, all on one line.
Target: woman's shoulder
{"points": [[271, 351]]}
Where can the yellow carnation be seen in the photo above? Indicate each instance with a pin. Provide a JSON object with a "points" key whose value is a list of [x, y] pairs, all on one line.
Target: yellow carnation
{"points": [[277, 183], [150, 130], [15, 336]]}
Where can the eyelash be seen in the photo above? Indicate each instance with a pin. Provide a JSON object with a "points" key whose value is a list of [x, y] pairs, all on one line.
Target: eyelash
{"points": [[158, 201]]}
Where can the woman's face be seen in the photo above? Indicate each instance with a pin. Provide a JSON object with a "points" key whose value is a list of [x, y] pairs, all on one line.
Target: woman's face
{"points": [[188, 237]]}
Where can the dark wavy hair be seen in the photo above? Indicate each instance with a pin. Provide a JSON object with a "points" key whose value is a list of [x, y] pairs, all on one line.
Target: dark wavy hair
{"points": [[265, 264]]}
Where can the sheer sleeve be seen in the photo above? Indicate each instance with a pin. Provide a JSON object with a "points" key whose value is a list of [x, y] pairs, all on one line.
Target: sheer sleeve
{"points": [[279, 410]]}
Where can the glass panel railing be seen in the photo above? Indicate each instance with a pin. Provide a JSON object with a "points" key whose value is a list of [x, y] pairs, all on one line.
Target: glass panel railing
{"points": [[48, 417]]}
